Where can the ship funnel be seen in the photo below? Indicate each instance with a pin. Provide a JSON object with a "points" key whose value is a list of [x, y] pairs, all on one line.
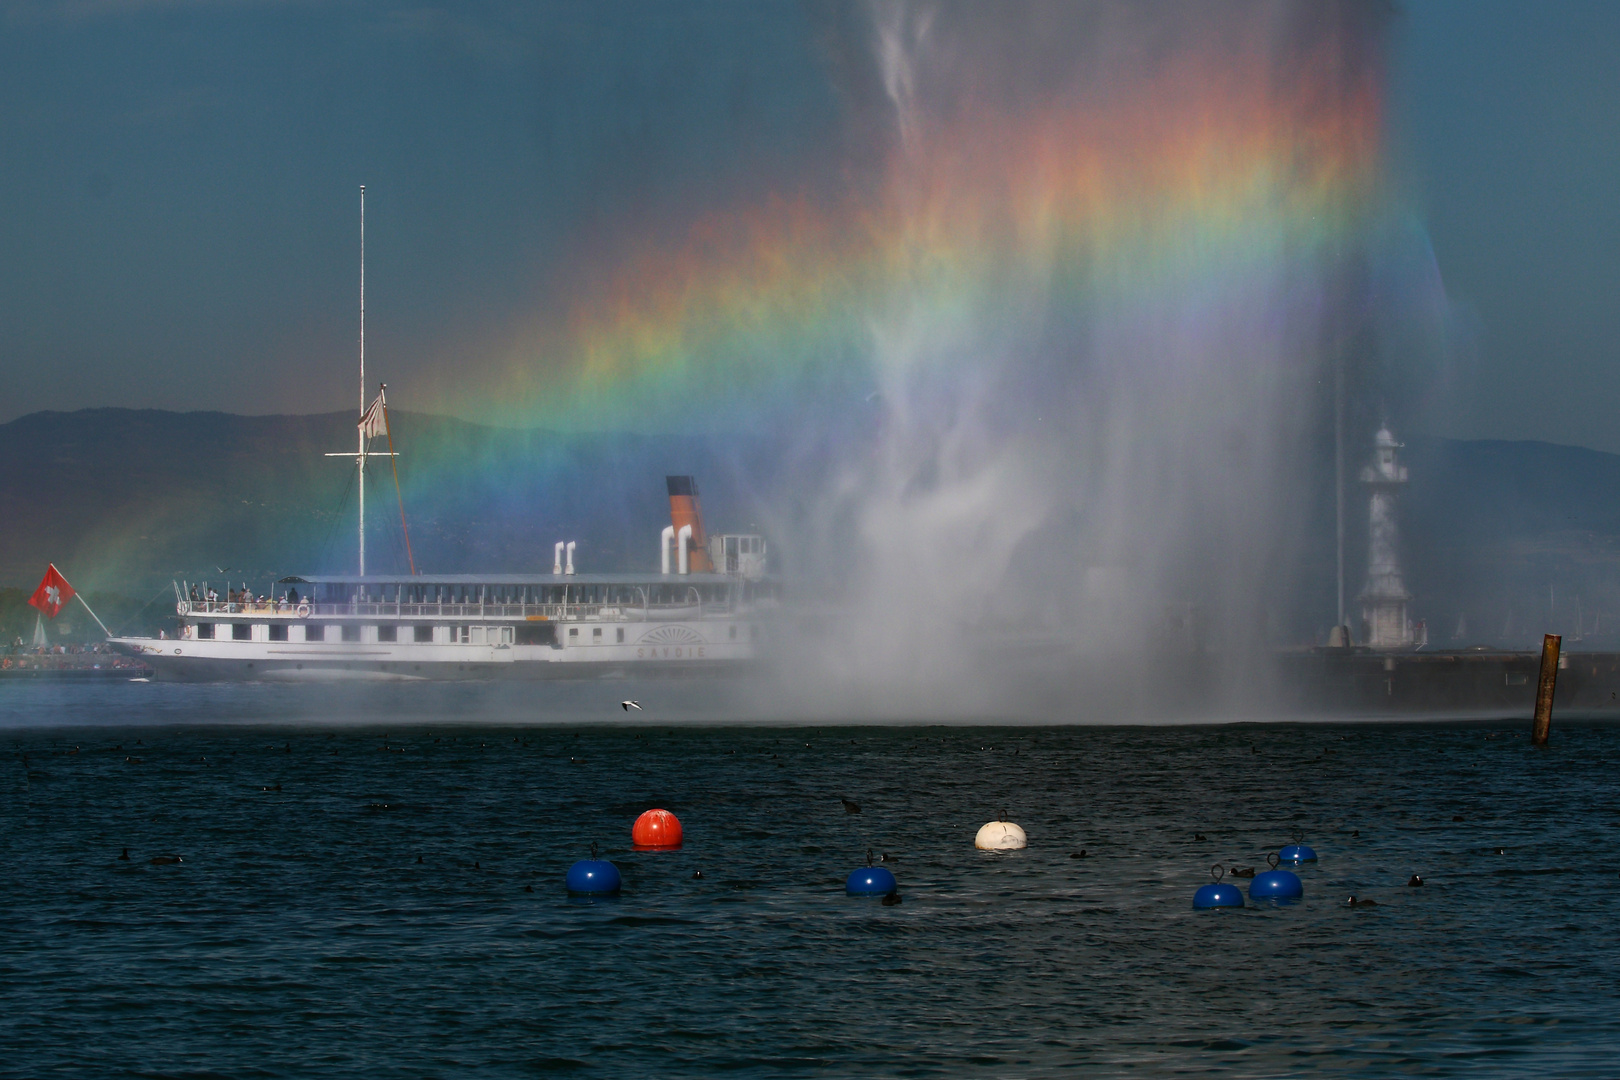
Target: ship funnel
{"points": [[556, 558], [666, 538], [685, 513], [569, 568]]}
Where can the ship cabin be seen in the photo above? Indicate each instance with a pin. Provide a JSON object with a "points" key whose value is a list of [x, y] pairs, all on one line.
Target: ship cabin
{"points": [[467, 608]]}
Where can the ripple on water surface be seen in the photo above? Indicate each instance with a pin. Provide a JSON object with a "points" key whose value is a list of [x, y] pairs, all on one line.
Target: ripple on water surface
{"points": [[355, 899]]}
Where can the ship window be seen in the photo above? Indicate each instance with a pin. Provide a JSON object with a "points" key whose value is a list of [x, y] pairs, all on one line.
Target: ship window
{"points": [[462, 634], [537, 634], [388, 632], [351, 632], [506, 635], [424, 633], [596, 633], [573, 632], [278, 631], [619, 634], [205, 630]]}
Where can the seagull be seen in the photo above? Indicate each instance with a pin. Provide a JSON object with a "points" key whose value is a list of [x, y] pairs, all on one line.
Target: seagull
{"points": [[628, 705]]}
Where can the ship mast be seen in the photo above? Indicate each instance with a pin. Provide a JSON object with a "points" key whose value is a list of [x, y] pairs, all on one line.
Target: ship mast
{"points": [[360, 454]]}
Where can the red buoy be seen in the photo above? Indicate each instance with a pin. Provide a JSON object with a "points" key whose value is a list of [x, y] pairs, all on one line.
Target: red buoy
{"points": [[656, 829]]}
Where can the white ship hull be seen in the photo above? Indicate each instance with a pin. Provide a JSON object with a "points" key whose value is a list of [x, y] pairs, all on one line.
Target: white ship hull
{"points": [[694, 646]]}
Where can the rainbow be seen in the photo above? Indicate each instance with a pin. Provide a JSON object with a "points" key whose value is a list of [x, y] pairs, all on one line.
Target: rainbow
{"points": [[1204, 172]]}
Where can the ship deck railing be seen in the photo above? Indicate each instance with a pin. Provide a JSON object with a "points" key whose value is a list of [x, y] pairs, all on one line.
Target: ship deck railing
{"points": [[618, 612]]}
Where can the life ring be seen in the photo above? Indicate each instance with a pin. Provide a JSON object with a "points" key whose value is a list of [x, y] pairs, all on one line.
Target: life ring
{"points": [[303, 611], [181, 607]]}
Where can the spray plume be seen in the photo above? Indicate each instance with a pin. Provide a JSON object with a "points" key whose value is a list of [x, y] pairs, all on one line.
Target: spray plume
{"points": [[1121, 250]]}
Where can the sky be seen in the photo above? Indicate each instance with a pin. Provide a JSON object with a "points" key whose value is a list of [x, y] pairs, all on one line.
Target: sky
{"points": [[181, 183]]}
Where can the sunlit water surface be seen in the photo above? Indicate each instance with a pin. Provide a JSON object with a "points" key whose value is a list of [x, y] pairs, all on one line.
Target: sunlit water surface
{"points": [[354, 898]]}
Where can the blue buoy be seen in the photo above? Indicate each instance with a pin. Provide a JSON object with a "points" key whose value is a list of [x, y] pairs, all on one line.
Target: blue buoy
{"points": [[1297, 852], [593, 877], [1215, 894], [1276, 884], [870, 880]]}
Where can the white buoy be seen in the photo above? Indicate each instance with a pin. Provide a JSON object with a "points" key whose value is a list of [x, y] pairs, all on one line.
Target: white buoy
{"points": [[1000, 836]]}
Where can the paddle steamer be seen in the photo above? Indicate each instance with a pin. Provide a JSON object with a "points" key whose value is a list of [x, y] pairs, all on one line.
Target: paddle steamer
{"points": [[702, 608]]}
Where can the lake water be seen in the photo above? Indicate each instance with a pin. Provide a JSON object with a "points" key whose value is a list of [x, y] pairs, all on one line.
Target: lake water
{"points": [[355, 892]]}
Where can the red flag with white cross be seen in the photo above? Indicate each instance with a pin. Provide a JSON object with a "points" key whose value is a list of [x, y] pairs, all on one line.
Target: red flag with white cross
{"points": [[53, 593]]}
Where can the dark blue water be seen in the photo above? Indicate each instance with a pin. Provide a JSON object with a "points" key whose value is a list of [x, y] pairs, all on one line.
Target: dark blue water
{"points": [[354, 898]]}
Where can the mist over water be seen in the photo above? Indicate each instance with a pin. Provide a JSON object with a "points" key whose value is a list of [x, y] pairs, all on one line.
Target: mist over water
{"points": [[1132, 243]]}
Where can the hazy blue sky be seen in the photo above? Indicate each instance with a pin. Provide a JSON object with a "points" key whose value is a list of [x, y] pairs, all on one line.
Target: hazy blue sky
{"points": [[179, 182], [1507, 133]]}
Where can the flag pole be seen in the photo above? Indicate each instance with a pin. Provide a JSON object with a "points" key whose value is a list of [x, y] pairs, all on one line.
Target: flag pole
{"points": [[93, 615]]}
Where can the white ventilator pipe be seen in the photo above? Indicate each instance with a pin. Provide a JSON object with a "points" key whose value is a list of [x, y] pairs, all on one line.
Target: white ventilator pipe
{"points": [[570, 567], [683, 548], [556, 558], [665, 538]]}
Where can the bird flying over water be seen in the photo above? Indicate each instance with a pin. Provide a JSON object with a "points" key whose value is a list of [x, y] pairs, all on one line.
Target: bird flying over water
{"points": [[628, 705]]}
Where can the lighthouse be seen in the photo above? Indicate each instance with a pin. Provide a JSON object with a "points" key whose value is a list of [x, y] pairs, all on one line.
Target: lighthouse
{"points": [[1383, 599]]}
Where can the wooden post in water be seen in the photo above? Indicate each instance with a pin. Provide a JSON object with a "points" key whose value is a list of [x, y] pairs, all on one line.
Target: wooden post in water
{"points": [[1544, 689]]}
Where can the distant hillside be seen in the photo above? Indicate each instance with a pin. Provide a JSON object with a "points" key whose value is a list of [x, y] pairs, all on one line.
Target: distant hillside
{"points": [[1509, 540], [124, 499], [1502, 540]]}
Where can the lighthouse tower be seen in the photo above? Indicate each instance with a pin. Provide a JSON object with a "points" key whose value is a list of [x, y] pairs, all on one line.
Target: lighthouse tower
{"points": [[1383, 600]]}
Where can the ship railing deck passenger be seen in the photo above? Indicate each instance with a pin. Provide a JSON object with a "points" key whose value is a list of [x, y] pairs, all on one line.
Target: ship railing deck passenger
{"points": [[619, 597], [621, 612]]}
